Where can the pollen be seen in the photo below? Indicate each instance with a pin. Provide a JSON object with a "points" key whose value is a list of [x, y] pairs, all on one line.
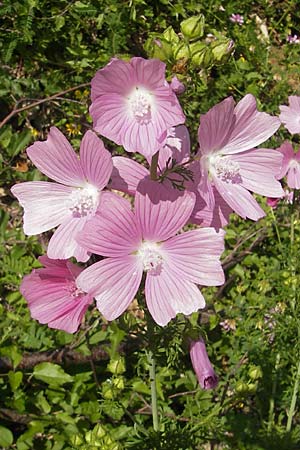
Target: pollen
{"points": [[140, 105], [151, 256], [84, 201]]}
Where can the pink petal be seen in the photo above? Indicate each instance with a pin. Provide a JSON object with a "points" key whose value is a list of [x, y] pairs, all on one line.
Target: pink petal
{"points": [[258, 168], [114, 232], [115, 282], [168, 294], [45, 204], [239, 199], [115, 77], [56, 158], [50, 302], [216, 217], [177, 147], [161, 211], [95, 160], [293, 175], [148, 72], [290, 115], [195, 255], [216, 126], [251, 127], [288, 153], [126, 174], [63, 243]]}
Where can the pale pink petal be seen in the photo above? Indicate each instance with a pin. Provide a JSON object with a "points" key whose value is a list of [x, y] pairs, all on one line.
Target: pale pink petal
{"points": [[114, 282], [148, 72], [288, 153], [168, 294], [177, 147], [161, 211], [95, 160], [290, 115], [205, 216], [216, 126], [46, 205], [63, 243], [251, 127], [239, 199], [112, 233], [126, 174], [293, 175], [195, 255], [50, 301], [56, 158], [258, 169]]}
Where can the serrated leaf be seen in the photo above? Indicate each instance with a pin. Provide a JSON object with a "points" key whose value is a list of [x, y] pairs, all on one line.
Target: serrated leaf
{"points": [[51, 374]]}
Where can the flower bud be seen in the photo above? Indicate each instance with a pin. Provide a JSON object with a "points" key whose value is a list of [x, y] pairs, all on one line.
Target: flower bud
{"points": [[222, 49], [177, 86], [182, 51], [201, 55], [158, 48], [202, 365], [193, 27], [116, 366], [255, 372]]}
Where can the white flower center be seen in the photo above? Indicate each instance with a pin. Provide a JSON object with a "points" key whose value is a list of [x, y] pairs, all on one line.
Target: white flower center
{"points": [[140, 104], [151, 256], [225, 168], [84, 201], [74, 291], [293, 164]]}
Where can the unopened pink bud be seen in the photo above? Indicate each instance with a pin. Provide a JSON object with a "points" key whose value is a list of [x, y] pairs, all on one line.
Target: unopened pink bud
{"points": [[177, 86], [202, 365]]}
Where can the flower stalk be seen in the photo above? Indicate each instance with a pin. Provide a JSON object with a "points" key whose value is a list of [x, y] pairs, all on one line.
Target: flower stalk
{"points": [[151, 361]]}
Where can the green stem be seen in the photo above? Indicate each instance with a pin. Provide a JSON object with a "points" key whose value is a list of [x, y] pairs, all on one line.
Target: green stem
{"points": [[151, 361], [293, 401], [153, 167], [272, 399], [276, 227]]}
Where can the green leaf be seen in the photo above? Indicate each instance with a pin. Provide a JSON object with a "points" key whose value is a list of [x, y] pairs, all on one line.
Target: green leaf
{"points": [[15, 379], [51, 374], [6, 437]]}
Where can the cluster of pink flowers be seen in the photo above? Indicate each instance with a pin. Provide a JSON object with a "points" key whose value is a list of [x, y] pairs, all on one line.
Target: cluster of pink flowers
{"points": [[141, 228]]}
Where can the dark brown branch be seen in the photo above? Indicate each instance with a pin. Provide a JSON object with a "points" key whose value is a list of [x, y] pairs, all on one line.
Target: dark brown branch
{"points": [[39, 102]]}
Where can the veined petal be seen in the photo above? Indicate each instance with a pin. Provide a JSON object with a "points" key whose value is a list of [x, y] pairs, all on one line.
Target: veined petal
{"points": [[161, 211], [290, 115], [216, 126], [216, 217], [177, 147], [95, 160], [126, 174], [63, 243], [287, 151], [239, 199], [168, 294], [113, 232], [195, 255], [114, 282], [56, 158], [251, 127], [258, 169], [46, 205]]}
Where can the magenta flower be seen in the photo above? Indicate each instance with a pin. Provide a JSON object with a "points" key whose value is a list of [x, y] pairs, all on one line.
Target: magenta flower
{"points": [[70, 202], [177, 86], [287, 198], [202, 365], [133, 105], [237, 18], [290, 166], [290, 115], [145, 241], [53, 295], [229, 165]]}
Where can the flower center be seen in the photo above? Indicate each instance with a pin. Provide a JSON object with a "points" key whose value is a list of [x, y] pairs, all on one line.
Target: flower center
{"points": [[84, 201], [150, 254], [74, 291], [226, 169], [140, 102]]}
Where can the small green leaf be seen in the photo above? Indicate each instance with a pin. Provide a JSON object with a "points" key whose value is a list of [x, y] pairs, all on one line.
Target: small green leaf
{"points": [[15, 379], [6, 437], [51, 374]]}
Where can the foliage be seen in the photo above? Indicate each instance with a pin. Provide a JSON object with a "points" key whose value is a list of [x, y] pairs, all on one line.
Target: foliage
{"points": [[100, 396]]}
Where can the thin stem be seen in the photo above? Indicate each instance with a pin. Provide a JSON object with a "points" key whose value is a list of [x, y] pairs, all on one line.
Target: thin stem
{"points": [[276, 227], [153, 167], [272, 399], [151, 361], [293, 401]]}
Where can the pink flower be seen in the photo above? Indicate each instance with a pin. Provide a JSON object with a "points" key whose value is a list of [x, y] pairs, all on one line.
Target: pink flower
{"points": [[293, 39], [229, 165], [53, 295], [237, 18], [287, 198], [290, 165], [73, 200], [290, 115], [202, 365], [133, 105], [145, 241]]}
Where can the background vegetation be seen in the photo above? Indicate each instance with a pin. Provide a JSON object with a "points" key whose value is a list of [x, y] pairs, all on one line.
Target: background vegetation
{"points": [[91, 390]]}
